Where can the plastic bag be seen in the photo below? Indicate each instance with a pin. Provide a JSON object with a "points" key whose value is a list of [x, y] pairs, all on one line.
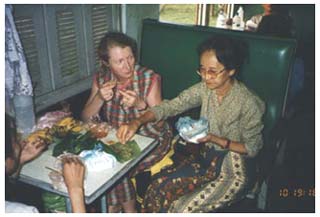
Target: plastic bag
{"points": [[97, 159], [53, 202], [192, 130], [50, 118], [56, 177]]}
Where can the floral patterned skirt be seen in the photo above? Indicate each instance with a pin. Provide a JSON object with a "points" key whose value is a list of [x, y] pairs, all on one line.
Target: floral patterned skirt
{"points": [[178, 180]]}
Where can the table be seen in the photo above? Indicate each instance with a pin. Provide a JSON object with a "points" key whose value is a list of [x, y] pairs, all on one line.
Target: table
{"points": [[96, 183]]}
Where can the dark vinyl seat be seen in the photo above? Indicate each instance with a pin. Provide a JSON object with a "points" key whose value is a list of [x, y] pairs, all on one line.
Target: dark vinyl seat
{"points": [[170, 50]]}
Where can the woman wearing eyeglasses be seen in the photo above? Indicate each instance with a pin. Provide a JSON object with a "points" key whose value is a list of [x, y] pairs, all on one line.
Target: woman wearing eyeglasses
{"points": [[224, 171]]}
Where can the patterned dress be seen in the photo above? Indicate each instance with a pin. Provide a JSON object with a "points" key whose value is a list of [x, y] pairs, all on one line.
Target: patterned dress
{"points": [[115, 114], [218, 177]]}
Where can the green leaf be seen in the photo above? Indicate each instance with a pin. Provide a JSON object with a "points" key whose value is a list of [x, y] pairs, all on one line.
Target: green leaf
{"points": [[126, 151]]}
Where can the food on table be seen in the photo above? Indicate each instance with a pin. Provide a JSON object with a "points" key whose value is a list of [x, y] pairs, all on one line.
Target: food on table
{"points": [[68, 121], [59, 131], [77, 142], [67, 124], [77, 128], [73, 142], [125, 152], [51, 118], [55, 174], [98, 130], [109, 142], [42, 134]]}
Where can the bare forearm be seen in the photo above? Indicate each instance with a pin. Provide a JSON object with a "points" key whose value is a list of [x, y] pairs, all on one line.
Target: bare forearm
{"points": [[232, 145], [77, 200], [12, 167], [92, 107], [147, 117], [15, 172], [127, 131]]}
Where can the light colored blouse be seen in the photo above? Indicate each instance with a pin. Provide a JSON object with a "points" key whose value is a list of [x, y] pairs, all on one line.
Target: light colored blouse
{"points": [[238, 117]]}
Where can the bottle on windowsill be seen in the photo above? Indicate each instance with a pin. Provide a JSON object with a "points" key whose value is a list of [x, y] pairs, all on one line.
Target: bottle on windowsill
{"points": [[221, 20], [236, 22]]}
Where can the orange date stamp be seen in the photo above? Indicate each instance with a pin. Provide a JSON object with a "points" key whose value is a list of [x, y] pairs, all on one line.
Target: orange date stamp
{"points": [[297, 192]]}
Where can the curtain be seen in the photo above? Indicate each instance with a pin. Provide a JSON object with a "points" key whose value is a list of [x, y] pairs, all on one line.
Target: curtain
{"points": [[18, 86]]}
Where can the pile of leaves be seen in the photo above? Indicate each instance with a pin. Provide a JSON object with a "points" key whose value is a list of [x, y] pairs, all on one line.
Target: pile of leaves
{"points": [[73, 142], [124, 152]]}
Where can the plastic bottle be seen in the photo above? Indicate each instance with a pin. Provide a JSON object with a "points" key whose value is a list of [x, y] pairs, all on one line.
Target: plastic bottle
{"points": [[24, 114], [241, 15], [221, 20], [236, 21]]}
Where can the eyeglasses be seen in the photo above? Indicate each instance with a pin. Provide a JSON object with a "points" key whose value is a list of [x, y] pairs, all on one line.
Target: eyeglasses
{"points": [[203, 72]]}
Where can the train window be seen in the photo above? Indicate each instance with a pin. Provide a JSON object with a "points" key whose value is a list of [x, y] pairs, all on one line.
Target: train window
{"points": [[179, 13], [215, 9], [195, 14]]}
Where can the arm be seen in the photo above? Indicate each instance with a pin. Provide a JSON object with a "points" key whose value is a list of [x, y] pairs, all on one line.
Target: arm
{"points": [[27, 152], [252, 126], [73, 174], [96, 99], [12, 166], [189, 98], [225, 143], [153, 98], [127, 131], [93, 105]]}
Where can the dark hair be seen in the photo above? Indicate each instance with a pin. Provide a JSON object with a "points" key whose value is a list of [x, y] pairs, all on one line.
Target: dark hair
{"points": [[279, 25], [230, 53], [115, 39], [9, 135]]}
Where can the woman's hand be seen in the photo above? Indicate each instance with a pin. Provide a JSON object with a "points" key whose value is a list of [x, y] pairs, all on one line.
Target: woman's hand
{"points": [[30, 150], [73, 172], [212, 138], [106, 90], [222, 142], [131, 98], [127, 131], [208, 138]]}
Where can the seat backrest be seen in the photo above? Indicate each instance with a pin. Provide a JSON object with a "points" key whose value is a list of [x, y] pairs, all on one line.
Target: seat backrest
{"points": [[170, 50]]}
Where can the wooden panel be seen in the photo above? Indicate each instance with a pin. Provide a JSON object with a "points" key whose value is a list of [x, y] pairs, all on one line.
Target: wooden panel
{"points": [[100, 26], [66, 35]]}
